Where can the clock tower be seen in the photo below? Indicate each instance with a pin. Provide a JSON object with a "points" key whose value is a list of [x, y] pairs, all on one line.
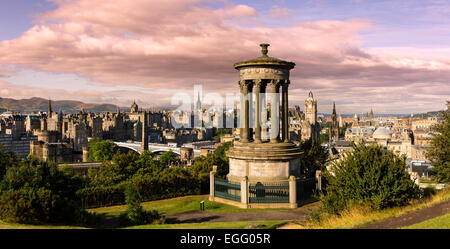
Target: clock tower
{"points": [[311, 109], [310, 129]]}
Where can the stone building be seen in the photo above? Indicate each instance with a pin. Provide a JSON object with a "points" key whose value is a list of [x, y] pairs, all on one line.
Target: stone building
{"points": [[310, 128], [186, 155], [49, 147], [334, 127]]}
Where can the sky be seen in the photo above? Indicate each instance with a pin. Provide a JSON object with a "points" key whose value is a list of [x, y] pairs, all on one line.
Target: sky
{"points": [[389, 56]]}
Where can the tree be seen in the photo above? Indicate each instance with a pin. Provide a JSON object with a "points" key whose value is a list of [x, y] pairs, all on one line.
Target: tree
{"points": [[222, 131], [136, 215], [439, 153], [7, 159], [167, 158], [314, 157], [38, 192], [101, 151], [204, 164], [368, 175], [118, 169]]}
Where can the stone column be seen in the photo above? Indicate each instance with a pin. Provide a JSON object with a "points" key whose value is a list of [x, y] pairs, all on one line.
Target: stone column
{"points": [[212, 174], [319, 180], [85, 157], [244, 122], [292, 192], [258, 89], [275, 111], [244, 192], [250, 110], [285, 120], [144, 145]]}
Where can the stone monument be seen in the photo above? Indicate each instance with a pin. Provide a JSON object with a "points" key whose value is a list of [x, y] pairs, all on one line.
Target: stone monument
{"points": [[264, 152]]}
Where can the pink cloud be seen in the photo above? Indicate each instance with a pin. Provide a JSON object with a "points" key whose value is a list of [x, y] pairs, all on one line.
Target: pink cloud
{"points": [[278, 12], [176, 44]]}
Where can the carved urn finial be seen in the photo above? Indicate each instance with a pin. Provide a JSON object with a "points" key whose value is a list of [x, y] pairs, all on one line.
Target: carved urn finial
{"points": [[264, 48]]}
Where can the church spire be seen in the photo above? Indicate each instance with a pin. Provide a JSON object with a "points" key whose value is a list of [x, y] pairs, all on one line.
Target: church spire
{"points": [[49, 110]]}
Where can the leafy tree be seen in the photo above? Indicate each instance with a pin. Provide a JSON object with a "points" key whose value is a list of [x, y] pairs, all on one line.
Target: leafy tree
{"points": [[118, 169], [7, 159], [38, 192], [204, 164], [222, 131], [368, 175], [314, 157], [101, 150], [136, 215], [439, 153], [167, 158]]}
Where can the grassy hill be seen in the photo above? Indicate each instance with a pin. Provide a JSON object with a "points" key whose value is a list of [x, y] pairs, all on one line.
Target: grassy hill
{"points": [[40, 104]]}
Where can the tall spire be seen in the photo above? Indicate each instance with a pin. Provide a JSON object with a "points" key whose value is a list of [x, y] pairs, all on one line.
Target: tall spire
{"points": [[334, 108], [49, 110]]}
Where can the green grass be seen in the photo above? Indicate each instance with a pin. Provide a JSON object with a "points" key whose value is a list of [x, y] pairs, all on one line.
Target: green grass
{"points": [[440, 222], [7, 225], [268, 224], [177, 205]]}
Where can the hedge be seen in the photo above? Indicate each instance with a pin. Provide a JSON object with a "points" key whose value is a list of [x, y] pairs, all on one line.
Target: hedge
{"points": [[150, 189]]}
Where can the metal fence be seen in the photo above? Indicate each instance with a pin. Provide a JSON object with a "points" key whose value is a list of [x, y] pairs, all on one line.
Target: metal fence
{"points": [[305, 188], [227, 190], [269, 193]]}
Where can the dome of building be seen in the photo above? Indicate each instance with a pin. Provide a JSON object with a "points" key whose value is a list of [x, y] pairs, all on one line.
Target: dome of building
{"points": [[382, 133]]}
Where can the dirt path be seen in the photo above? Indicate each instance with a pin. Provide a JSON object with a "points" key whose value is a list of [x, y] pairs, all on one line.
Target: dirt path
{"points": [[208, 216], [411, 218]]}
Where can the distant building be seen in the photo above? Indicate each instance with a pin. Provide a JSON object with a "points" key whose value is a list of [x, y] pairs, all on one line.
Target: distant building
{"points": [[334, 127], [310, 128]]}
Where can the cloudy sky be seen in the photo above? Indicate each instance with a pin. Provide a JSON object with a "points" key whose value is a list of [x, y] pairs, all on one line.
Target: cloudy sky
{"points": [[392, 56]]}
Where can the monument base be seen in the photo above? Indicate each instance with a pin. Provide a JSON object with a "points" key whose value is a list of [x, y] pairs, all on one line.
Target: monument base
{"points": [[264, 162]]}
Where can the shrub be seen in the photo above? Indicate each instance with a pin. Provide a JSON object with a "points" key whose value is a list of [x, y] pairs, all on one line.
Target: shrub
{"points": [[314, 157], [102, 150], [439, 153], [38, 192], [37, 206], [368, 175], [135, 214]]}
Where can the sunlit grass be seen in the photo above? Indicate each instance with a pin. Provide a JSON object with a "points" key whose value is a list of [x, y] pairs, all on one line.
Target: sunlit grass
{"points": [[440, 222], [359, 216], [177, 205], [7, 225]]}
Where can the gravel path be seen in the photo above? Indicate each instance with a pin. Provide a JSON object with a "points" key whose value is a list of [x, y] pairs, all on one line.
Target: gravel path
{"points": [[208, 216]]}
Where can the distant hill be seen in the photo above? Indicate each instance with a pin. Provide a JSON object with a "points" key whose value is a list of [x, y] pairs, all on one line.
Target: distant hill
{"points": [[40, 104]]}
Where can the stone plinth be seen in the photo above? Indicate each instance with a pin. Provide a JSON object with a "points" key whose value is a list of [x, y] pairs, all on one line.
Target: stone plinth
{"points": [[263, 162]]}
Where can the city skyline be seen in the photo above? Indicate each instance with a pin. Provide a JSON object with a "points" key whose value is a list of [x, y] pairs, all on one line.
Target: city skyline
{"points": [[385, 55]]}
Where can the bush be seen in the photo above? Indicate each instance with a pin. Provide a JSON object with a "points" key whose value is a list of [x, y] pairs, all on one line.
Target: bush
{"points": [[368, 175], [37, 206], [100, 196], [135, 214], [38, 192], [439, 152], [314, 157], [101, 151]]}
